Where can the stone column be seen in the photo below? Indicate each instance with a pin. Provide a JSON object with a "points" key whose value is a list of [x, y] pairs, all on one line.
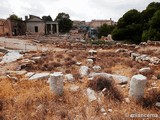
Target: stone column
{"points": [[51, 28], [137, 86], [57, 29], [56, 83], [46, 30]]}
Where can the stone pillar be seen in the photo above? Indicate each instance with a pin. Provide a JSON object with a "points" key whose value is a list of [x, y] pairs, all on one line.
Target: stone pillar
{"points": [[56, 83], [46, 30], [57, 29], [137, 86], [51, 28]]}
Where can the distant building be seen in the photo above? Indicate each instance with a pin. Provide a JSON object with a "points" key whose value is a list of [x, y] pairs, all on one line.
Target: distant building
{"points": [[5, 28], [35, 25], [77, 23], [98, 23], [18, 27]]}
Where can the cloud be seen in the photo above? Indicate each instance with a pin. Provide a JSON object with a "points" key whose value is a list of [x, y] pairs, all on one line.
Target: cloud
{"points": [[77, 9]]}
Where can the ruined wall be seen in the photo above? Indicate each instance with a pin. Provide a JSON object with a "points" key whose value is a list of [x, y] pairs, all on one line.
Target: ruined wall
{"points": [[4, 27]]}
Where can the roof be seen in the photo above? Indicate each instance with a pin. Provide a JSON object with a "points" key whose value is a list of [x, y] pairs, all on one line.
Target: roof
{"points": [[33, 18]]}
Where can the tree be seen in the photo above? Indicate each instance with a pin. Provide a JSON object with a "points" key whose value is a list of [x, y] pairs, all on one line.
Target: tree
{"points": [[104, 30], [14, 17], [128, 27], [154, 30], [65, 24], [47, 18]]}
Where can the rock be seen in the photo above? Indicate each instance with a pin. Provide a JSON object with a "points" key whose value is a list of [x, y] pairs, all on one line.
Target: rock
{"points": [[110, 110], [27, 61], [154, 84], [127, 100], [137, 47], [39, 76], [104, 114], [120, 79], [29, 74], [91, 95], [153, 88], [78, 63], [74, 88], [102, 110], [154, 60], [123, 86], [158, 104], [144, 57], [145, 70], [12, 78], [134, 55], [84, 71], [92, 52], [56, 83], [121, 50], [96, 68], [69, 77], [11, 56], [106, 75], [137, 86], [93, 58], [154, 77], [36, 58], [90, 78], [90, 61]]}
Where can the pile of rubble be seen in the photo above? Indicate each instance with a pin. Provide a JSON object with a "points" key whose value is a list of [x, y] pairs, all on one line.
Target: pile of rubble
{"points": [[139, 58]]}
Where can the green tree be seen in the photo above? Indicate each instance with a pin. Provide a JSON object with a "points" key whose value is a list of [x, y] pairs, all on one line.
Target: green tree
{"points": [[14, 17], [154, 30], [65, 24], [128, 27], [104, 30], [47, 18]]}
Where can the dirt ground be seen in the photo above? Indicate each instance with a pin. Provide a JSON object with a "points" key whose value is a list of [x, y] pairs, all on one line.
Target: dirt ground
{"points": [[25, 99]]}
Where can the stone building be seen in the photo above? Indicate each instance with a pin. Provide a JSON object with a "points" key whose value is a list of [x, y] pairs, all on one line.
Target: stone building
{"points": [[98, 23], [35, 25]]}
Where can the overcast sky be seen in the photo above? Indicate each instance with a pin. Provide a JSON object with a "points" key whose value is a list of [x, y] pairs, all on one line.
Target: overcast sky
{"points": [[77, 9]]}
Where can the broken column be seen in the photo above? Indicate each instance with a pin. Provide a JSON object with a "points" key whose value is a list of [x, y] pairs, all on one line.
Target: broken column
{"points": [[137, 86], [56, 83]]}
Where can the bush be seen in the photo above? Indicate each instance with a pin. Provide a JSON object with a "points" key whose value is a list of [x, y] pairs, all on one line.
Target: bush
{"points": [[99, 83]]}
